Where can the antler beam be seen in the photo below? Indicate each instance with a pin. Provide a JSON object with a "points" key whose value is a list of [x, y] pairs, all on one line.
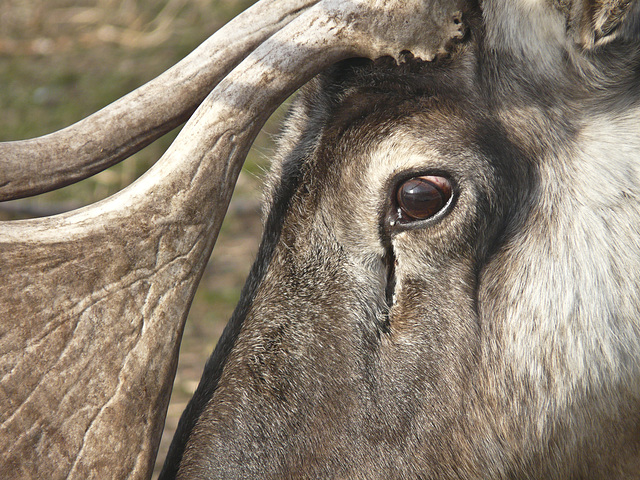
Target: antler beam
{"points": [[31, 167]]}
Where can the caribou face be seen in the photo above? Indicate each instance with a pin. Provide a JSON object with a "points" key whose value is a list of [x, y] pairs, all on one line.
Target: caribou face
{"points": [[448, 281]]}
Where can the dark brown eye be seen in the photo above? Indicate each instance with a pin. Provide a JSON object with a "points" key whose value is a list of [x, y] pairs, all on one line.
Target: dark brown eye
{"points": [[422, 197]]}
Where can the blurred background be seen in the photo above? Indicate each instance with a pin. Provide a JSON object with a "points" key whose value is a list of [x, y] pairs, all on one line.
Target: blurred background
{"points": [[61, 60]]}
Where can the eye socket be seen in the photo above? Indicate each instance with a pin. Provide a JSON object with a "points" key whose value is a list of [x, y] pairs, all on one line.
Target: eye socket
{"points": [[420, 198]]}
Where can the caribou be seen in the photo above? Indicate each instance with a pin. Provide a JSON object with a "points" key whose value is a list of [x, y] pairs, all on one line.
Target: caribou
{"points": [[448, 284]]}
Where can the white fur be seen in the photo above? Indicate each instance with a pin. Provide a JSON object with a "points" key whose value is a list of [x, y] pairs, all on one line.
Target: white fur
{"points": [[527, 28], [572, 310]]}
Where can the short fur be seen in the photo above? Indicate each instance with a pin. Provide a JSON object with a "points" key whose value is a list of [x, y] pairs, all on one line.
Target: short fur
{"points": [[510, 348]]}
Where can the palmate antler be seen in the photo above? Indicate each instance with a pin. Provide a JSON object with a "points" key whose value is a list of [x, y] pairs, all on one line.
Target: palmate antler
{"points": [[93, 301]]}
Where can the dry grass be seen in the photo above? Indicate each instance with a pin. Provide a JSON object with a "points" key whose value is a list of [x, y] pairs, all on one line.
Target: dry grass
{"points": [[43, 27]]}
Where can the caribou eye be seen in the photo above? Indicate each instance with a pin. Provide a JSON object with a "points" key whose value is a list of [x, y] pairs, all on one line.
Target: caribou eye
{"points": [[422, 197]]}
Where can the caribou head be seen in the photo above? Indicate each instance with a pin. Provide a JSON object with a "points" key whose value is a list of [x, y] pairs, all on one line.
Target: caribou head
{"points": [[448, 282]]}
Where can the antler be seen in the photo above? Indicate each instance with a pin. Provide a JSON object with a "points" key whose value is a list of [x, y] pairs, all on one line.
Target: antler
{"points": [[94, 300], [38, 165]]}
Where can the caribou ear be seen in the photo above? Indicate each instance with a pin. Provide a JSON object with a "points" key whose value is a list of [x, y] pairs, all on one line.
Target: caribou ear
{"points": [[601, 21]]}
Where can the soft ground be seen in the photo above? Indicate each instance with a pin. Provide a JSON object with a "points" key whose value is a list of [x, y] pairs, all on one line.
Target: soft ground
{"points": [[61, 60]]}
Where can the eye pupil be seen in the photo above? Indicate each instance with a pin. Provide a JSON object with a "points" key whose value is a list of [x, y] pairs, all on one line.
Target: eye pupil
{"points": [[422, 197]]}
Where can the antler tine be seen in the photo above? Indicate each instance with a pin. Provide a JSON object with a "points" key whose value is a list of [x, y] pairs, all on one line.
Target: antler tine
{"points": [[31, 167]]}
